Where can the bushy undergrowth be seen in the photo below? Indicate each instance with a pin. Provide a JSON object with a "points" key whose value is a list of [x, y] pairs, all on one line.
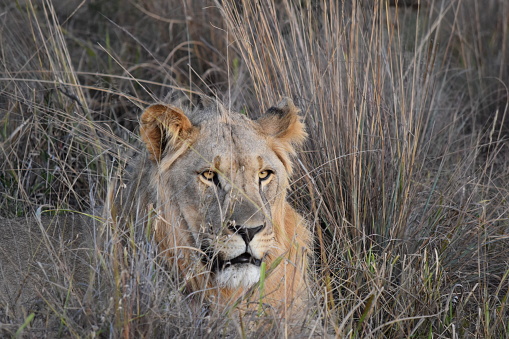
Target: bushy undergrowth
{"points": [[404, 177]]}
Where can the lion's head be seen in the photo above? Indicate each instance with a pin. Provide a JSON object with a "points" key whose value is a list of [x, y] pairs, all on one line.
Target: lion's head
{"points": [[217, 181]]}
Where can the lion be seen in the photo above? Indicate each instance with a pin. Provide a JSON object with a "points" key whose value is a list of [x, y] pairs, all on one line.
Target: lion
{"points": [[210, 186], [217, 183]]}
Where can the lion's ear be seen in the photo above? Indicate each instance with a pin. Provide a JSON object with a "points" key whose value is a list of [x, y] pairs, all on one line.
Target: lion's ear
{"points": [[162, 125], [283, 123]]}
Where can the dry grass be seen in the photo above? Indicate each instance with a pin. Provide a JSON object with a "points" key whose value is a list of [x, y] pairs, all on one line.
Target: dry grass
{"points": [[404, 177]]}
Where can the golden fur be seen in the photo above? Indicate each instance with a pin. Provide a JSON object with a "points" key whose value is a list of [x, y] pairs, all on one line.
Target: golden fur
{"points": [[212, 178]]}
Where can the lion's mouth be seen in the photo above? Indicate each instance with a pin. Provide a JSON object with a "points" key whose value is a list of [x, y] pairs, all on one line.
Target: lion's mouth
{"points": [[244, 258]]}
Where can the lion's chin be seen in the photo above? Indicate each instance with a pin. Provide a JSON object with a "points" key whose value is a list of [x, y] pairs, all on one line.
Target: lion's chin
{"points": [[238, 275]]}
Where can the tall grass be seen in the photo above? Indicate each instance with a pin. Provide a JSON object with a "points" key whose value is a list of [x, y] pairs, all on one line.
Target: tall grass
{"points": [[399, 185], [403, 180]]}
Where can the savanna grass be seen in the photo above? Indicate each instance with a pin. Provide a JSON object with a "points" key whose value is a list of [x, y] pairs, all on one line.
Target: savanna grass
{"points": [[403, 180]]}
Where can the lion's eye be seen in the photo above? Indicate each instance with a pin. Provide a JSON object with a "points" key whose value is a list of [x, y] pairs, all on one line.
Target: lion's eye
{"points": [[210, 178], [265, 175], [209, 175]]}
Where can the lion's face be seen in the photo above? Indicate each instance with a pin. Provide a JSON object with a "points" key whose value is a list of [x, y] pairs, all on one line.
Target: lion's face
{"points": [[231, 186], [224, 176]]}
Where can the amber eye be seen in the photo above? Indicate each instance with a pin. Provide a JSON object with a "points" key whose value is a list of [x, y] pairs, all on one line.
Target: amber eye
{"points": [[209, 175], [210, 178], [264, 175]]}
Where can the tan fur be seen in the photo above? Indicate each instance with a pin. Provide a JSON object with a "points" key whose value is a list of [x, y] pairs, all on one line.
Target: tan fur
{"points": [[193, 216]]}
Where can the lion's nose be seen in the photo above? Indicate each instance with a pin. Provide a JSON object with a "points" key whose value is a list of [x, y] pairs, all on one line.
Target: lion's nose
{"points": [[247, 233]]}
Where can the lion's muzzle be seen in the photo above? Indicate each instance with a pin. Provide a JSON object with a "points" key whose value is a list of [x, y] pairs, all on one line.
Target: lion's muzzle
{"points": [[247, 233], [244, 264]]}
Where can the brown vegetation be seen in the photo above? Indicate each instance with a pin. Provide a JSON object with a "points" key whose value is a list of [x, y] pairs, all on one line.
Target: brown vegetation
{"points": [[404, 177]]}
